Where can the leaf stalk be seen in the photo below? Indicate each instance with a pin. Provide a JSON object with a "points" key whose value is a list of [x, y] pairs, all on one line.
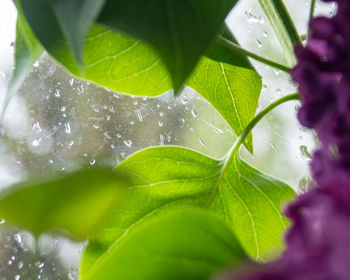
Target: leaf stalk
{"points": [[235, 147], [236, 48]]}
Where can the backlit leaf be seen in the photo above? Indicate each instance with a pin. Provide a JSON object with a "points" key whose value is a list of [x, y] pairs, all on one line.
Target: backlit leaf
{"points": [[184, 244], [167, 178], [73, 204]]}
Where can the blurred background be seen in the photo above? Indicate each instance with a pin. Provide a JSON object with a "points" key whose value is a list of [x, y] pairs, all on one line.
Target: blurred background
{"points": [[57, 123]]}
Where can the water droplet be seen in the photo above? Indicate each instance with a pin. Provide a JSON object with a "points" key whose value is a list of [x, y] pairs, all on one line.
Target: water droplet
{"points": [[18, 238], [36, 63], [36, 142], [63, 109], [305, 154], [122, 156], [71, 81], [95, 108], [128, 143], [194, 113], [259, 43], [57, 93], [36, 127], [17, 277], [71, 143], [160, 124], [2, 221], [92, 161], [161, 137], [67, 128], [202, 143], [252, 18], [39, 264], [111, 109], [139, 115], [305, 184], [72, 275]]}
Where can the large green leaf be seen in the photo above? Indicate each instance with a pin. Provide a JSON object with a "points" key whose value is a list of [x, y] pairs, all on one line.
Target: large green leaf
{"points": [[184, 244], [166, 178], [27, 51], [56, 20], [226, 79], [74, 204]]}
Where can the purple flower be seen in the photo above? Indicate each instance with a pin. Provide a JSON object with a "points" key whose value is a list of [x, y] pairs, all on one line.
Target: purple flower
{"points": [[318, 243]]}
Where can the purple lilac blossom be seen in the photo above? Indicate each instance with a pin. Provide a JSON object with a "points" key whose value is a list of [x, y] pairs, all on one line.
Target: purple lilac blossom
{"points": [[318, 243]]}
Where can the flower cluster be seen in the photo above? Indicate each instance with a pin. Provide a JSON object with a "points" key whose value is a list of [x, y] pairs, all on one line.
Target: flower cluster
{"points": [[323, 76], [318, 243]]}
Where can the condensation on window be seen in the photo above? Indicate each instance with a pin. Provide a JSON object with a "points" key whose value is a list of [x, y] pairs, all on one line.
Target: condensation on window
{"points": [[57, 123]]}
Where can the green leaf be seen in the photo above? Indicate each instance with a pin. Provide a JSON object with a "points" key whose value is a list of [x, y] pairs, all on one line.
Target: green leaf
{"points": [[184, 244], [118, 62], [27, 51], [74, 204], [283, 26], [233, 91], [230, 83], [179, 30], [56, 20], [167, 178]]}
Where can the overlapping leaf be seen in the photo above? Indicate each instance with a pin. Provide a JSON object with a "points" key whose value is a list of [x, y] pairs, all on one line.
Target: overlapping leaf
{"points": [[179, 30], [73, 204], [167, 178], [225, 79], [184, 244]]}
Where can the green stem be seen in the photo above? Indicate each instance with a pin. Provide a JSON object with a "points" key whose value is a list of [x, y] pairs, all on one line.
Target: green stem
{"points": [[235, 147], [283, 26], [312, 10], [236, 48]]}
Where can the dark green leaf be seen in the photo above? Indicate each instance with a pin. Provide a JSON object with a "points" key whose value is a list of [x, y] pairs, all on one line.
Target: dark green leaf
{"points": [[167, 178], [179, 30], [75, 203], [184, 244], [54, 21]]}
